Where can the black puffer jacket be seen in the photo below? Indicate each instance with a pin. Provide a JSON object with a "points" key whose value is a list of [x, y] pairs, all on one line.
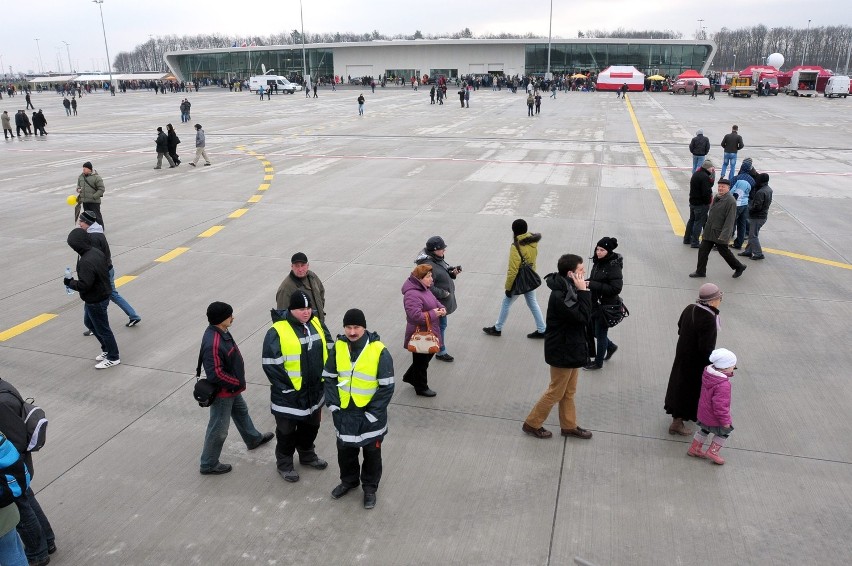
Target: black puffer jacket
{"points": [[444, 285], [568, 313], [700, 188], [606, 279], [92, 270], [700, 145]]}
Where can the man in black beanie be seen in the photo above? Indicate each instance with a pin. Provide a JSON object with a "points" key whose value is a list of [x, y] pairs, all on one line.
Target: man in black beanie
{"points": [[359, 384], [524, 246], [223, 366], [295, 350]]}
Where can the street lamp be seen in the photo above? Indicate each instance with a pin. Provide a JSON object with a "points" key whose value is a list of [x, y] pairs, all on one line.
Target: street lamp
{"points": [[735, 62], [40, 65], [109, 65], [549, 37], [70, 66], [700, 27], [304, 60], [807, 35]]}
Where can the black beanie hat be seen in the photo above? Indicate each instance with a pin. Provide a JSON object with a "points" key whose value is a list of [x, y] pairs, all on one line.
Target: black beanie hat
{"points": [[354, 317], [88, 165], [218, 312], [608, 243], [299, 300], [519, 227], [88, 217]]}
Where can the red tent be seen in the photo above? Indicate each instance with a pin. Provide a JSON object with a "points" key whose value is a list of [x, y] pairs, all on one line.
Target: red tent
{"points": [[613, 77], [690, 74]]}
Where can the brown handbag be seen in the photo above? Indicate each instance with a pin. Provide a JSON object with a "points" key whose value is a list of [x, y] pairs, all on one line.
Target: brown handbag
{"points": [[424, 342]]}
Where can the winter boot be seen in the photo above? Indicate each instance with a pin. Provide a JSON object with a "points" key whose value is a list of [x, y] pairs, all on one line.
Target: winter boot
{"points": [[697, 445], [713, 452]]}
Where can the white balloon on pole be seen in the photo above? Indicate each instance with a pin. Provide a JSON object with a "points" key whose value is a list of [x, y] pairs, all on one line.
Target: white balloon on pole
{"points": [[775, 60]]}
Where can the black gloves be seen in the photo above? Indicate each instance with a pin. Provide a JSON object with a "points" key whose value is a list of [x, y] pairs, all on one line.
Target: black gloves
{"points": [[67, 281], [509, 293]]}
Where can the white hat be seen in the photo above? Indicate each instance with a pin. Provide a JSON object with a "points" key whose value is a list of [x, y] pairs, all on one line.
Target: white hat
{"points": [[722, 358]]}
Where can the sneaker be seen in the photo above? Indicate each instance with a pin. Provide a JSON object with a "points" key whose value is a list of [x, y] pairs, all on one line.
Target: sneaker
{"points": [[341, 490], [101, 357], [207, 164], [218, 469], [88, 333], [444, 357], [318, 464], [739, 271], [535, 334], [267, 436], [192, 164], [492, 331], [291, 476], [133, 322], [107, 364]]}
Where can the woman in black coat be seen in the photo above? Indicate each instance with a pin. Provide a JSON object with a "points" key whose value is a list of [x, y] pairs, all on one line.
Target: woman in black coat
{"points": [[697, 330], [172, 143], [605, 283]]}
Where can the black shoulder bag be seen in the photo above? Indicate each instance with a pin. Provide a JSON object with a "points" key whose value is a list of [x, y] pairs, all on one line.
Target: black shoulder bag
{"points": [[205, 390], [526, 279]]}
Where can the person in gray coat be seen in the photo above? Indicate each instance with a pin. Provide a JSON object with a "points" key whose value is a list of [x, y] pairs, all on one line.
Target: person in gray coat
{"points": [[718, 231], [200, 144], [444, 285]]}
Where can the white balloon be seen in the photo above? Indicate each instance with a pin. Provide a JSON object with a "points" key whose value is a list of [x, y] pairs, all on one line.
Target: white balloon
{"points": [[775, 60]]}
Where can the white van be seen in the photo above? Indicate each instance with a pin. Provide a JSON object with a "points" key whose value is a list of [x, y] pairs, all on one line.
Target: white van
{"points": [[838, 86], [273, 81]]}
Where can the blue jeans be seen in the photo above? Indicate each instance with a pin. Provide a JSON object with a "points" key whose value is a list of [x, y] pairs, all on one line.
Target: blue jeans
{"points": [[753, 247], [603, 342], [532, 303], [34, 528], [742, 225], [697, 219], [11, 550], [729, 159], [222, 411], [697, 161], [443, 349], [119, 300], [96, 319]]}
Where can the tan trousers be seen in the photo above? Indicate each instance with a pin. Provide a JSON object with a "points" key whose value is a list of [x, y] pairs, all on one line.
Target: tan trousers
{"points": [[199, 153], [563, 385]]}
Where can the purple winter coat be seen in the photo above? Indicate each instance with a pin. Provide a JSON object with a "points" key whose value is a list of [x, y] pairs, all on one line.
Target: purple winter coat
{"points": [[417, 300], [714, 405]]}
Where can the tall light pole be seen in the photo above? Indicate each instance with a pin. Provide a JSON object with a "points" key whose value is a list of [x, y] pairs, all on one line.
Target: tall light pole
{"points": [[807, 35], [549, 37], [100, 4], [40, 64], [700, 27], [70, 66], [304, 59]]}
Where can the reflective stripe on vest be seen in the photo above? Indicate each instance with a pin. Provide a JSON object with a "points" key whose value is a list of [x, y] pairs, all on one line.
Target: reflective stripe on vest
{"points": [[358, 383], [290, 343]]}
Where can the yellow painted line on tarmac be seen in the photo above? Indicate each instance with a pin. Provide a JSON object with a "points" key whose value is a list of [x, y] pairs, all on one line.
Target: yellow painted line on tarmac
{"points": [[210, 231], [675, 218], [28, 325], [267, 164], [268, 169], [255, 198], [263, 187], [124, 279], [237, 213], [673, 213], [171, 255], [268, 177], [251, 152]]}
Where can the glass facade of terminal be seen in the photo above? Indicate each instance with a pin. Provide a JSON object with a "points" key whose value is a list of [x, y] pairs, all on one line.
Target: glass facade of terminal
{"points": [[664, 59], [242, 63]]}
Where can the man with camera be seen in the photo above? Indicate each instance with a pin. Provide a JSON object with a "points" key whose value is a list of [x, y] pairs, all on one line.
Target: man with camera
{"points": [[444, 285]]}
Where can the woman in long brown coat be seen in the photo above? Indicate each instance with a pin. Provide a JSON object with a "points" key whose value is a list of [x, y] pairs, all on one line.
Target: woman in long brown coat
{"points": [[697, 328]]}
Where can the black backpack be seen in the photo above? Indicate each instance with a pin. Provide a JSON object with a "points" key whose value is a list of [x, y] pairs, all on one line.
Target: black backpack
{"points": [[34, 419], [14, 475]]}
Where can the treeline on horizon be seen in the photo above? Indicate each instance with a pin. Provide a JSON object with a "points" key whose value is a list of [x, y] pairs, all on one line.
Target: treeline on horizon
{"points": [[827, 46]]}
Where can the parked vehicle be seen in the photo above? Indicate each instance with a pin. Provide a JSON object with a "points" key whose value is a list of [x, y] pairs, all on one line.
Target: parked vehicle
{"points": [[685, 86], [838, 86], [802, 83], [274, 82], [742, 86]]}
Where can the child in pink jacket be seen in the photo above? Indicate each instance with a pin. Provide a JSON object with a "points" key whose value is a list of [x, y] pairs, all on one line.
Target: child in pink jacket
{"points": [[714, 406]]}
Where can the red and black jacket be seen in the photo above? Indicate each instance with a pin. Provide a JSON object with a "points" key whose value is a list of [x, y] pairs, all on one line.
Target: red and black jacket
{"points": [[223, 362]]}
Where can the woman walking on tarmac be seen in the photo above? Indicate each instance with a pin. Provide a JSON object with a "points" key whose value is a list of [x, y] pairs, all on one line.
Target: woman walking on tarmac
{"points": [[420, 304], [605, 283]]}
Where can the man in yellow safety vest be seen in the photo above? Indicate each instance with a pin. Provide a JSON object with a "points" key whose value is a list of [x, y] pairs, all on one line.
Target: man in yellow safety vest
{"points": [[359, 385]]}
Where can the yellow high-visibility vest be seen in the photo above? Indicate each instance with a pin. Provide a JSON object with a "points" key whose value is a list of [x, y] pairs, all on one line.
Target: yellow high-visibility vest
{"points": [[291, 348], [361, 381]]}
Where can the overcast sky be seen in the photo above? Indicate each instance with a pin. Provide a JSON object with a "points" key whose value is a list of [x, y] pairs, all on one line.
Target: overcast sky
{"points": [[131, 22]]}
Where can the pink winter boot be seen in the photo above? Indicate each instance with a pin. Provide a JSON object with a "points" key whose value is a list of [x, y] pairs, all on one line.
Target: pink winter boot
{"points": [[713, 452], [697, 444]]}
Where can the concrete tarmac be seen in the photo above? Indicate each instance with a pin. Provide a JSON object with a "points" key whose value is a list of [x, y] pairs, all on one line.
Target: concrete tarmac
{"points": [[462, 484]]}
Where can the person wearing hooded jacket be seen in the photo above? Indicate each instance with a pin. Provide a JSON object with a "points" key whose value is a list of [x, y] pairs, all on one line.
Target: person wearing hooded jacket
{"points": [[569, 310], [605, 283], [93, 285], [443, 285], [295, 351], [524, 244], [758, 210], [359, 384], [741, 186], [699, 147]]}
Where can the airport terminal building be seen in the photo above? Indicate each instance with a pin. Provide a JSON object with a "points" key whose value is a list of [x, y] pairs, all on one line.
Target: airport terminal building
{"points": [[448, 57]]}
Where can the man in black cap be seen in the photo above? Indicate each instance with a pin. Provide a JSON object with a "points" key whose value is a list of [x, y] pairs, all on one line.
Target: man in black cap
{"points": [[90, 187], [223, 366], [295, 351], [359, 384], [301, 278], [443, 285], [718, 231]]}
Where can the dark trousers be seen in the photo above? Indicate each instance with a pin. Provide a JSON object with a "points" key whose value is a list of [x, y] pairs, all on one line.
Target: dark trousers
{"points": [[704, 253], [95, 208], [34, 528], [351, 472], [416, 374], [95, 318], [697, 219], [604, 343], [292, 435], [742, 225]]}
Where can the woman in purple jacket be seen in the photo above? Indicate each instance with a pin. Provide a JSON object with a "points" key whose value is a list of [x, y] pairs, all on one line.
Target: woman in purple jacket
{"points": [[714, 406], [419, 302]]}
